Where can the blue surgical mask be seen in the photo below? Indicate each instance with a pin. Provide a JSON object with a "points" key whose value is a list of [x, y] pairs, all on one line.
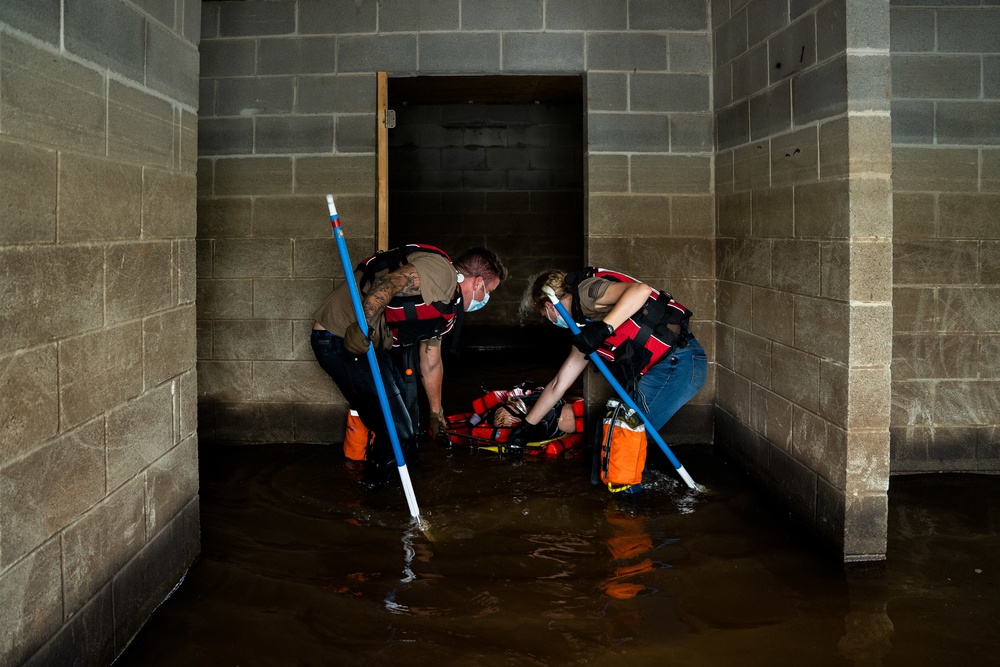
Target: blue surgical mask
{"points": [[560, 322], [476, 304]]}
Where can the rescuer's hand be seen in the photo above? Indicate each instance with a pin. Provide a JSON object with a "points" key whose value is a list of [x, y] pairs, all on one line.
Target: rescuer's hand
{"points": [[438, 424], [356, 342], [522, 434], [591, 336]]}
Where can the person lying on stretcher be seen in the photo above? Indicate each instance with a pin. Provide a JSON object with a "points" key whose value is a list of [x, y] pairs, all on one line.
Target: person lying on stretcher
{"points": [[497, 412], [560, 420]]}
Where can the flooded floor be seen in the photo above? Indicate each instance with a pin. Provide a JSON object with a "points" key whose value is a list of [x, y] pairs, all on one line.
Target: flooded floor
{"points": [[523, 562]]}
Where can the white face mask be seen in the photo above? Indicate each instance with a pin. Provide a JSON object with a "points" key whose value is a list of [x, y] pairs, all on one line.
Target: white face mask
{"points": [[476, 304]]}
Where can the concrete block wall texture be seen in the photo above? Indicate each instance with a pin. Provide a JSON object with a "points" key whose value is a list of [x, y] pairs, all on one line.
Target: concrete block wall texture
{"points": [[804, 242], [946, 198], [98, 391], [506, 175], [287, 114]]}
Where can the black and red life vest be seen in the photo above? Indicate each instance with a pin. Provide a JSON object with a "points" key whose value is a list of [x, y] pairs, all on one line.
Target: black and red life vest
{"points": [[409, 318], [647, 336]]}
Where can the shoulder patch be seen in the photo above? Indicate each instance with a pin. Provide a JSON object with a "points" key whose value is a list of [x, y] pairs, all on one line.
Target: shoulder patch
{"points": [[596, 287]]}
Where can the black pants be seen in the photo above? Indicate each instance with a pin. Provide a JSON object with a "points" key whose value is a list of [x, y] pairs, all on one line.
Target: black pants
{"points": [[407, 359], [354, 379]]}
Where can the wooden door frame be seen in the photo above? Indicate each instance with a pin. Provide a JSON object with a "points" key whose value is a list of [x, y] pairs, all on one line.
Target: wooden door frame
{"points": [[382, 157]]}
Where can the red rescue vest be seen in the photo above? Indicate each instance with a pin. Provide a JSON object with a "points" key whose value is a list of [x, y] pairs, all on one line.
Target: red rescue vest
{"points": [[409, 318], [647, 336]]}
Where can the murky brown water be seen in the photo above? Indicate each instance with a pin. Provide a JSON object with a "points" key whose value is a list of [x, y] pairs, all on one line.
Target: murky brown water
{"points": [[524, 563]]}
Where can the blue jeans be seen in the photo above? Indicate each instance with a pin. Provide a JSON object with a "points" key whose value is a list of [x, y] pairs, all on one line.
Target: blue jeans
{"points": [[672, 382], [354, 379]]}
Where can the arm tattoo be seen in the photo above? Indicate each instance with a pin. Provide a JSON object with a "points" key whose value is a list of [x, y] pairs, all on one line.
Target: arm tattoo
{"points": [[404, 281]]}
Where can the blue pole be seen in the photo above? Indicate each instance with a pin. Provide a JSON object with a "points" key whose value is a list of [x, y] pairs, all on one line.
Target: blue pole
{"points": [[601, 366], [359, 314]]}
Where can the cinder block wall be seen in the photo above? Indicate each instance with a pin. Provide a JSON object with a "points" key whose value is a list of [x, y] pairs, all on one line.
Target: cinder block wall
{"points": [[288, 114], [946, 205], [650, 210], [804, 247], [98, 450], [511, 176]]}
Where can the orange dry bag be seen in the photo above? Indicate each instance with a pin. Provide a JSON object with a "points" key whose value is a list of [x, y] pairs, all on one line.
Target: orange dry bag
{"points": [[355, 437], [623, 447]]}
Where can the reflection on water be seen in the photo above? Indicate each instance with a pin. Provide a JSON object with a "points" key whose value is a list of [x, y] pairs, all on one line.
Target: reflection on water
{"points": [[523, 562], [630, 546], [867, 626]]}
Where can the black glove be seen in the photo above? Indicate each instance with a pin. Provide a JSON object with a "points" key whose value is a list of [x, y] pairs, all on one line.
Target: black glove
{"points": [[356, 342], [522, 434], [591, 336]]}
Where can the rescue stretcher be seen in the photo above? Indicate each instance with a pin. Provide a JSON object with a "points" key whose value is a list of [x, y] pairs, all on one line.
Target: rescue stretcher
{"points": [[494, 415]]}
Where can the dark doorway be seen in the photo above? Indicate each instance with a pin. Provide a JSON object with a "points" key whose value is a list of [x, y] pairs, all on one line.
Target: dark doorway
{"points": [[490, 161]]}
